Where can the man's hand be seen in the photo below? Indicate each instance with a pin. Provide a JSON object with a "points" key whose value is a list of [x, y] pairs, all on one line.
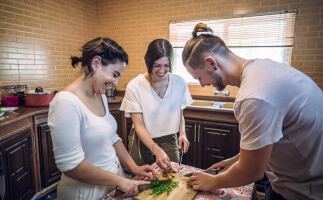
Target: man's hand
{"points": [[203, 181]]}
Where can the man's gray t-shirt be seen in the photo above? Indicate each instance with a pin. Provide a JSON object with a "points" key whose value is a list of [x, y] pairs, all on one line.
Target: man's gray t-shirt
{"points": [[277, 104]]}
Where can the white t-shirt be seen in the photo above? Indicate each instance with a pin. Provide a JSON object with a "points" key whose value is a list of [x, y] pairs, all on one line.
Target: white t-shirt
{"points": [[277, 104], [161, 116], [78, 134]]}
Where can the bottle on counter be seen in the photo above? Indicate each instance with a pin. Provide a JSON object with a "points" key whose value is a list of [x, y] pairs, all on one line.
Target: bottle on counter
{"points": [[21, 91], [9, 95]]}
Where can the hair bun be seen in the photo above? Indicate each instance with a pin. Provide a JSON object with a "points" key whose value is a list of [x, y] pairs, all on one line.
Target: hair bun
{"points": [[75, 61], [200, 27]]}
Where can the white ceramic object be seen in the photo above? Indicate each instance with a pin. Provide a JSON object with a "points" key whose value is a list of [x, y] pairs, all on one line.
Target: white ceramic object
{"points": [[8, 108]]}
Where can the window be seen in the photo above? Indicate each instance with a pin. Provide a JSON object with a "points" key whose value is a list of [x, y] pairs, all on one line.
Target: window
{"points": [[260, 35]]}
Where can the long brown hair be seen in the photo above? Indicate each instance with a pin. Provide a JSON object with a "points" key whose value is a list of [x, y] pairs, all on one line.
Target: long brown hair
{"points": [[157, 49], [203, 45]]}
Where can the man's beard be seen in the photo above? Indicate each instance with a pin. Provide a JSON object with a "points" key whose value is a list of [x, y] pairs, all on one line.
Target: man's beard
{"points": [[219, 85]]}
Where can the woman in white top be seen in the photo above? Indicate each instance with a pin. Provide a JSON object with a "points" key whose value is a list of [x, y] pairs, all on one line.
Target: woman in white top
{"points": [[85, 144], [155, 101]]}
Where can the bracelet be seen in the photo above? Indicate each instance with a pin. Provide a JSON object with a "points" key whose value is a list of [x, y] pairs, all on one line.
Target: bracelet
{"points": [[152, 148]]}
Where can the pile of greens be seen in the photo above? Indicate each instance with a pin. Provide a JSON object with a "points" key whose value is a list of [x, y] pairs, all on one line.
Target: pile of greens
{"points": [[160, 186]]}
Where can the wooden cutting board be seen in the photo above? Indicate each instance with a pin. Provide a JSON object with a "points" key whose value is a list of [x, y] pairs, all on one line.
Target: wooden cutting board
{"points": [[180, 192]]}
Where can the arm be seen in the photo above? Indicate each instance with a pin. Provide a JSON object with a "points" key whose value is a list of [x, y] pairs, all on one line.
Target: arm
{"points": [[249, 168], [129, 163], [162, 159], [183, 142], [88, 173]]}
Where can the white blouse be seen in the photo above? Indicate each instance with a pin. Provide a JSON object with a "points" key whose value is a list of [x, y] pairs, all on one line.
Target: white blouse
{"points": [[78, 134], [161, 115]]}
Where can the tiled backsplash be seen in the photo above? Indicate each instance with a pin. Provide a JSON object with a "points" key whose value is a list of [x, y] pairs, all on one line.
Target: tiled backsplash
{"points": [[37, 38]]}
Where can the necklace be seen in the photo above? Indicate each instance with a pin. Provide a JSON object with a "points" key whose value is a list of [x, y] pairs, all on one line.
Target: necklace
{"points": [[242, 68]]}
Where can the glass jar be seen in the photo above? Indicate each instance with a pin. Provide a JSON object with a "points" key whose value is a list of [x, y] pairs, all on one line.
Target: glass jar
{"points": [[21, 90], [9, 95]]}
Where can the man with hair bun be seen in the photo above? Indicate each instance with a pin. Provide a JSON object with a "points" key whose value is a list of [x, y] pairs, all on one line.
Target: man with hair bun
{"points": [[280, 115]]}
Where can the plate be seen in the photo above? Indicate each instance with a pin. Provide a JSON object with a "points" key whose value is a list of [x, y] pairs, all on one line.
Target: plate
{"points": [[2, 113], [8, 108]]}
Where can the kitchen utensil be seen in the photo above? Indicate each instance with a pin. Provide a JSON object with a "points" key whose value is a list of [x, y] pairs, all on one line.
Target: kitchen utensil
{"points": [[38, 97], [180, 159], [21, 90], [212, 172]]}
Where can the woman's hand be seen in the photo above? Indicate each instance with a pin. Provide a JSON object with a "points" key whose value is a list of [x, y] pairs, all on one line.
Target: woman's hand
{"points": [[146, 171], [162, 159], [183, 143], [130, 187]]}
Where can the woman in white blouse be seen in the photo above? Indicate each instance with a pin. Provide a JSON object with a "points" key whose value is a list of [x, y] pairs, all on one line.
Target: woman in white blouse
{"points": [[155, 101], [86, 147]]}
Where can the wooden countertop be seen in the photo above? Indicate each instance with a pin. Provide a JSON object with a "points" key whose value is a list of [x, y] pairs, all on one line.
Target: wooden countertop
{"points": [[24, 111], [190, 111]]}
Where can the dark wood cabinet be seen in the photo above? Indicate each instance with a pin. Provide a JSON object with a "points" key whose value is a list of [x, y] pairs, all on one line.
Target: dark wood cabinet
{"points": [[17, 166], [219, 141], [118, 117], [210, 142], [48, 170], [189, 158]]}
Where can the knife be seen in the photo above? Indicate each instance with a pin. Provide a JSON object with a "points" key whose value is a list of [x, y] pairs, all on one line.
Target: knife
{"points": [[212, 172], [180, 160]]}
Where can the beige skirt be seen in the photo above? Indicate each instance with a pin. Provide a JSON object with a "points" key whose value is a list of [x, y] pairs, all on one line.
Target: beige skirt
{"points": [[70, 189]]}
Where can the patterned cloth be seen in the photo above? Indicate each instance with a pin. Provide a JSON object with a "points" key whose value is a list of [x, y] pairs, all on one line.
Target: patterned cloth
{"points": [[243, 192]]}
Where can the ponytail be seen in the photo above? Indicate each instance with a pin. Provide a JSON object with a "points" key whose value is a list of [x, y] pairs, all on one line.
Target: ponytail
{"points": [[75, 61]]}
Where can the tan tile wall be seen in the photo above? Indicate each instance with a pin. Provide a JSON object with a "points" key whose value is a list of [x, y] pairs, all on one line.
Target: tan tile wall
{"points": [[37, 38], [135, 23]]}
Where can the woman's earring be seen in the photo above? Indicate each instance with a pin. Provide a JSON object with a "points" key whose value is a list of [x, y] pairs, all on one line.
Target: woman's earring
{"points": [[93, 73]]}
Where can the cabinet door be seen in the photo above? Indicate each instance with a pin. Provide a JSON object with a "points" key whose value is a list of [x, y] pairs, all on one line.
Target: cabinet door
{"points": [[48, 170], [118, 117], [189, 158], [17, 161], [219, 141]]}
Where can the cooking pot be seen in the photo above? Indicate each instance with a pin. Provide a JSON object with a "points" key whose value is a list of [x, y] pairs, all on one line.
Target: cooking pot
{"points": [[38, 97]]}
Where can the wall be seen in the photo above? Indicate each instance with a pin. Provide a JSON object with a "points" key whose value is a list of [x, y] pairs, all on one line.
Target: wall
{"points": [[37, 38], [136, 23]]}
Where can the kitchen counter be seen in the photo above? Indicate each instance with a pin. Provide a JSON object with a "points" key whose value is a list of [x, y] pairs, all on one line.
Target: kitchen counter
{"points": [[25, 111]]}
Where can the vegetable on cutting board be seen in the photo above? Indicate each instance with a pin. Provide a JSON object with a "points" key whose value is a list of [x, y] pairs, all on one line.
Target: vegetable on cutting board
{"points": [[160, 187]]}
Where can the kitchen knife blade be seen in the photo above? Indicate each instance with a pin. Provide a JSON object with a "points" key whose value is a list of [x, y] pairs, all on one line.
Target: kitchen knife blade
{"points": [[180, 160], [212, 172]]}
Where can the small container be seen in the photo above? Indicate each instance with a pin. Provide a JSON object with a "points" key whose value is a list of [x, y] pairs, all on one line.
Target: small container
{"points": [[9, 95], [21, 91]]}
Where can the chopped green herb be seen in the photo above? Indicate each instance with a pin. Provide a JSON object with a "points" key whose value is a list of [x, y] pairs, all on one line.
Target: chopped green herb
{"points": [[160, 187]]}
